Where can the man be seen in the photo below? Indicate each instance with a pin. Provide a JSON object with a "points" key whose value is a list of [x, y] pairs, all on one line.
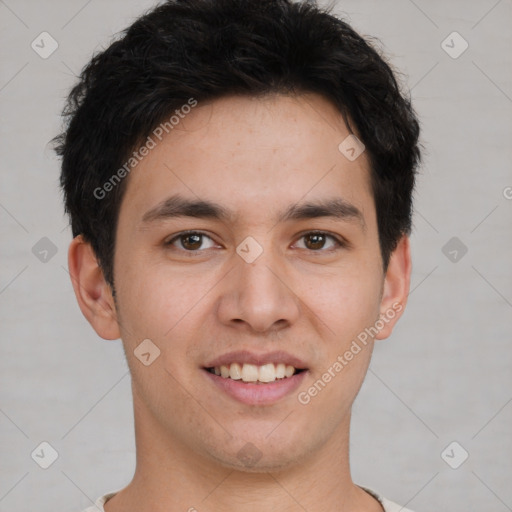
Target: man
{"points": [[239, 176]]}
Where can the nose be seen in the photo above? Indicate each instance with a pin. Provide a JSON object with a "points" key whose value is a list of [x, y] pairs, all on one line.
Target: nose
{"points": [[258, 296]]}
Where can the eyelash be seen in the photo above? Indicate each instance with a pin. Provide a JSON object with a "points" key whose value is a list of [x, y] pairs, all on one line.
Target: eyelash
{"points": [[340, 243]]}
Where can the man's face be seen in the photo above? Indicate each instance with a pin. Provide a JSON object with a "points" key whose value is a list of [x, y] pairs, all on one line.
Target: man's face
{"points": [[316, 285]]}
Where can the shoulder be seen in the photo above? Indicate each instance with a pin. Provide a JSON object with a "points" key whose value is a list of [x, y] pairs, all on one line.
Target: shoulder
{"points": [[387, 505], [98, 504]]}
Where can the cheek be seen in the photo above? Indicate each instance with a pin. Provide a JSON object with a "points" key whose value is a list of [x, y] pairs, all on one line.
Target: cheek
{"points": [[151, 297], [346, 303], [163, 305]]}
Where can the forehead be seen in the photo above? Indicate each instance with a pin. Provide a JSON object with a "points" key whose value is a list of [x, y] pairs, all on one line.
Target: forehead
{"points": [[253, 156]]}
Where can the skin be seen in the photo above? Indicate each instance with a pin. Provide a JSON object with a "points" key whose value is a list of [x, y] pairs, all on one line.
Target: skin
{"points": [[255, 156]]}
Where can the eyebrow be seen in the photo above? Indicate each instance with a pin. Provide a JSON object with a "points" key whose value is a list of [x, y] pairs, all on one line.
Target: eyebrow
{"points": [[179, 206]]}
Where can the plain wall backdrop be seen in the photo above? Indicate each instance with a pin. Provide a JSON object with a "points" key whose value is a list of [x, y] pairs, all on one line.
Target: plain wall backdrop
{"points": [[444, 376]]}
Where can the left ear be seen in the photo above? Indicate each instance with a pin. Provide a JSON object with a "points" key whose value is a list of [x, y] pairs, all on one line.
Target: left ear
{"points": [[396, 287]]}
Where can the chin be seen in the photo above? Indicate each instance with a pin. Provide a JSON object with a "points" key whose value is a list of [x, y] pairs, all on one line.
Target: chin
{"points": [[260, 455], [264, 465]]}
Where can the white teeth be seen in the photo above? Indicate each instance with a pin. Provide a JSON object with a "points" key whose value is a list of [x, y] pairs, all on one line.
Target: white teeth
{"points": [[267, 373], [235, 371], [251, 373], [280, 371], [289, 370]]}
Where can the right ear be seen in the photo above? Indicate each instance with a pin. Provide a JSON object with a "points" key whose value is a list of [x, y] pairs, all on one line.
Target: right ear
{"points": [[92, 291]]}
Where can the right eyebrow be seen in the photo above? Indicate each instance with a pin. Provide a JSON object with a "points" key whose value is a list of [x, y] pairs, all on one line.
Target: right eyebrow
{"points": [[178, 206]]}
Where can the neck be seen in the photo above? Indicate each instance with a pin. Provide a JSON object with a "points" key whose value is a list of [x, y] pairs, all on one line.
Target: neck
{"points": [[170, 477]]}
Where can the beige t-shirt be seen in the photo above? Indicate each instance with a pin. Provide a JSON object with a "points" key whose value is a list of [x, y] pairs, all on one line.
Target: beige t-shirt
{"points": [[387, 505]]}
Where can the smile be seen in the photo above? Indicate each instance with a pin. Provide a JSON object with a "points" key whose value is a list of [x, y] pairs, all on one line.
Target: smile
{"points": [[256, 392], [252, 373]]}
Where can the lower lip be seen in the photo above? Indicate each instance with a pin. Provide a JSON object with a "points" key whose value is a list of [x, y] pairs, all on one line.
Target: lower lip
{"points": [[258, 394]]}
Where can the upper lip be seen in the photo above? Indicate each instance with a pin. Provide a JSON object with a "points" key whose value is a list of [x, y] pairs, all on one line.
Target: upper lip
{"points": [[245, 356]]}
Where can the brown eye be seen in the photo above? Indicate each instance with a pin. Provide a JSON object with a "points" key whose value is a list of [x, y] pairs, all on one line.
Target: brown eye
{"points": [[191, 242], [317, 241], [314, 241]]}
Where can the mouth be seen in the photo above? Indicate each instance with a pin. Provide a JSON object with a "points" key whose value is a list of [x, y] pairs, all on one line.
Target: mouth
{"points": [[256, 374], [256, 379]]}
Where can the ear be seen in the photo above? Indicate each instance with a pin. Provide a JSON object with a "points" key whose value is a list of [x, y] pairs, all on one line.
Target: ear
{"points": [[93, 293], [395, 288]]}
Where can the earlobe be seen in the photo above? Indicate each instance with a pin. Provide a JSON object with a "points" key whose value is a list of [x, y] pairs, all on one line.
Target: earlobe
{"points": [[93, 293], [396, 287]]}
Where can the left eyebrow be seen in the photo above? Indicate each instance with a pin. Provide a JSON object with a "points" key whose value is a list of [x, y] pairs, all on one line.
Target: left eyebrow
{"points": [[337, 207], [179, 206]]}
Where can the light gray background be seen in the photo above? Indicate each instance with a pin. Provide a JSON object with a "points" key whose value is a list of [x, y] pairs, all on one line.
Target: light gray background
{"points": [[444, 375]]}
